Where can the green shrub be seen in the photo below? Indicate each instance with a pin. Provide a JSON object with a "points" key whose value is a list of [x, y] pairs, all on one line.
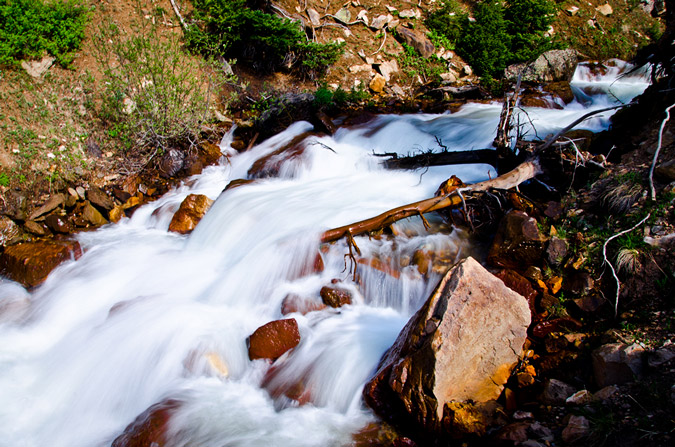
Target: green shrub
{"points": [[484, 43], [31, 28], [412, 64], [155, 98], [4, 179], [264, 41], [447, 21], [526, 23]]}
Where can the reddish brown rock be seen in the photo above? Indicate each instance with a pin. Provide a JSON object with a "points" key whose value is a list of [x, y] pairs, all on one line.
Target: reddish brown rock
{"points": [[518, 243], [59, 224], [50, 205], [149, 428], [35, 228], [335, 297], [93, 216], [294, 303], [461, 345], [100, 199], [8, 230], [171, 163], [191, 211], [270, 165], [273, 339], [519, 284], [31, 262]]}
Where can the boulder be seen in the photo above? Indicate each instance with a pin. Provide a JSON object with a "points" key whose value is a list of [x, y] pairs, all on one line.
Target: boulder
{"points": [[59, 224], [461, 345], [273, 339], [93, 216], [377, 83], [517, 243], [417, 40], [100, 199], [578, 427], [50, 205], [149, 428], [171, 163], [556, 392], [8, 230], [191, 211], [30, 263], [617, 363], [335, 297], [551, 66]]}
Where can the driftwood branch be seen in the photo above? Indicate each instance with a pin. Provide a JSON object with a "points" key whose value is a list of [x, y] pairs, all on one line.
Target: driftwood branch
{"points": [[487, 156], [521, 173]]}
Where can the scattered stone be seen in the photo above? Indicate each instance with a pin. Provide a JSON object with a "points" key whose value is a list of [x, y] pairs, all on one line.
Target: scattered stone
{"points": [[466, 71], [604, 394], [521, 415], [410, 14], [71, 201], [556, 392], [541, 432], [37, 68], [418, 41], [617, 363], [343, 15], [666, 171], [379, 22], [335, 297], [398, 90], [15, 205], [58, 224], [556, 251], [81, 192], [463, 418], [553, 65], [35, 228], [273, 339], [171, 163], [388, 68], [93, 216], [100, 199], [663, 355], [449, 78], [50, 205], [519, 284], [363, 16], [314, 17], [461, 345], [191, 211], [554, 284], [515, 433], [581, 397], [8, 230], [360, 68], [116, 214], [150, 428], [377, 83], [517, 242], [577, 428], [30, 263], [605, 9], [572, 10]]}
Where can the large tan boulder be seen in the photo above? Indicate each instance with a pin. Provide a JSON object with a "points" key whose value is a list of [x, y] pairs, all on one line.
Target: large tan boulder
{"points": [[461, 345], [191, 211], [31, 262]]}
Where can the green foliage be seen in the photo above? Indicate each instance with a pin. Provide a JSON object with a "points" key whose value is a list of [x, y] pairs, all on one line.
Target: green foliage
{"points": [[31, 28], [4, 179], [265, 41], [324, 97], [501, 33], [412, 64], [155, 98]]}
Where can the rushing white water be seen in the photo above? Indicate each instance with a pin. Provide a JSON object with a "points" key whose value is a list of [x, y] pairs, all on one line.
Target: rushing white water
{"points": [[143, 314]]}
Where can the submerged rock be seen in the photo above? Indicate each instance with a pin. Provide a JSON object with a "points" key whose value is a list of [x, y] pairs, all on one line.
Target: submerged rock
{"points": [[191, 211], [149, 428], [31, 262], [273, 339], [335, 297], [461, 345]]}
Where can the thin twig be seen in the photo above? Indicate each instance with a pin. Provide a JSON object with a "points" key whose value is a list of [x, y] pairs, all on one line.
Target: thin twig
{"points": [[180, 17], [656, 154], [604, 255], [383, 41]]}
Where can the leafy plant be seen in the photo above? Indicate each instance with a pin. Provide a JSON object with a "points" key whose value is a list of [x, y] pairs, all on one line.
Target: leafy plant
{"points": [[413, 64], [4, 179], [155, 98], [526, 23], [264, 41], [31, 28]]}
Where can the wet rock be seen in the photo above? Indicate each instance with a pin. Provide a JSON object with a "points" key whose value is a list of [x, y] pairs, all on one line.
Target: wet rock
{"points": [[59, 224], [35, 228], [150, 428], [556, 250], [517, 243], [295, 303], [544, 328], [417, 40], [116, 214], [462, 418], [577, 429], [50, 205], [29, 263], [93, 216], [553, 65], [191, 211], [270, 165], [8, 230], [273, 339], [335, 297], [171, 163], [562, 90], [461, 345], [519, 284], [377, 83], [617, 363], [100, 199], [556, 392]]}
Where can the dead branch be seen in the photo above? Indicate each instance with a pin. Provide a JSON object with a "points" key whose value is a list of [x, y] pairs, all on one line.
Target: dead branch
{"points": [[502, 140], [522, 172], [180, 17], [656, 154], [611, 267], [487, 156]]}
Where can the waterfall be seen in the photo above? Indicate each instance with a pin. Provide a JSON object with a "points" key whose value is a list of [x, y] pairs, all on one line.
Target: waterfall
{"points": [[139, 318]]}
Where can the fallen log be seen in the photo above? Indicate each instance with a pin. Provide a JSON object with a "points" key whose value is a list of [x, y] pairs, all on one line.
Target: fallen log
{"points": [[511, 179], [487, 156]]}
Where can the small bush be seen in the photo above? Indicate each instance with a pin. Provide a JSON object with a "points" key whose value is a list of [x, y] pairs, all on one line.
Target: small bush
{"points": [[264, 41], [484, 44], [31, 28], [155, 98]]}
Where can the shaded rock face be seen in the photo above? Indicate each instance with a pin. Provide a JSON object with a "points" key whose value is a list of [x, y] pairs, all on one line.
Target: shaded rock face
{"points": [[617, 363], [30, 263], [273, 339], [517, 243], [461, 345], [553, 65], [191, 211], [149, 428], [416, 40]]}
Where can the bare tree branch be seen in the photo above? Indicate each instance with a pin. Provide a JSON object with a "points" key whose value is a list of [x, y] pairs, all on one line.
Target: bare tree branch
{"points": [[656, 154]]}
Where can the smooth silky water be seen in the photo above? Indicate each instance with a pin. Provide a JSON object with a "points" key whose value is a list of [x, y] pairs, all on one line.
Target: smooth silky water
{"points": [[141, 315]]}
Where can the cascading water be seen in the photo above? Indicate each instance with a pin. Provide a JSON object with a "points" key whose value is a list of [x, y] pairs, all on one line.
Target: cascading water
{"points": [[142, 315]]}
